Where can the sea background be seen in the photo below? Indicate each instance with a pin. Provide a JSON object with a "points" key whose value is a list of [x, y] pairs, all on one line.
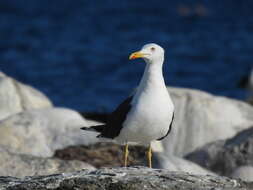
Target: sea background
{"points": [[76, 52]]}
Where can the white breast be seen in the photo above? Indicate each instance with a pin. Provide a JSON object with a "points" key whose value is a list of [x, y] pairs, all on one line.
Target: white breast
{"points": [[149, 118]]}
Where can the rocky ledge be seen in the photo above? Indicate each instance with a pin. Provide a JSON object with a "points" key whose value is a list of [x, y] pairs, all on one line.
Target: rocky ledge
{"points": [[124, 178]]}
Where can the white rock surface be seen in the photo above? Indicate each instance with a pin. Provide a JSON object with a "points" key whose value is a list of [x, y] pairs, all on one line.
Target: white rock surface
{"points": [[244, 172], [21, 165], [173, 163], [201, 118], [40, 132], [16, 97]]}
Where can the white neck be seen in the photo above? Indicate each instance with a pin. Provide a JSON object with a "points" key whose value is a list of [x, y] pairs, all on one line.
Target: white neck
{"points": [[152, 77]]}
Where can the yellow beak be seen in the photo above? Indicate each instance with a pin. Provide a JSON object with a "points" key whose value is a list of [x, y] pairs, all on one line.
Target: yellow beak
{"points": [[136, 55]]}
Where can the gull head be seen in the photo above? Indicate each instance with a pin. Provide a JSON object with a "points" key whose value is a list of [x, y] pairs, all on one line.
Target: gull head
{"points": [[151, 53]]}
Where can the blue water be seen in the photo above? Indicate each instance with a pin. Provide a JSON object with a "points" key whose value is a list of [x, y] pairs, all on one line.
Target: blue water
{"points": [[76, 52]]}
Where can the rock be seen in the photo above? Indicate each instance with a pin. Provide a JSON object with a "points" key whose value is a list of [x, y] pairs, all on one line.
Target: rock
{"points": [[247, 82], [201, 118], [137, 178], [21, 165], [173, 163], [250, 100], [40, 132], [111, 155], [207, 155], [103, 154], [250, 82], [244, 172], [250, 88], [16, 97], [223, 157]]}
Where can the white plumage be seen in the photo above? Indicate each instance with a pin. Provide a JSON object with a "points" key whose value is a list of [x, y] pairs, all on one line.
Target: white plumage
{"points": [[152, 108]]}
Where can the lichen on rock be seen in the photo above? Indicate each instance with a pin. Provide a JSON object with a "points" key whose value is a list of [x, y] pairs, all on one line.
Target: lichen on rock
{"points": [[133, 178]]}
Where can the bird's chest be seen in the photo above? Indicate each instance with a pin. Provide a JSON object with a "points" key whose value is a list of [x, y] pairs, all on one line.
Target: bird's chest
{"points": [[153, 105], [152, 113], [149, 118]]}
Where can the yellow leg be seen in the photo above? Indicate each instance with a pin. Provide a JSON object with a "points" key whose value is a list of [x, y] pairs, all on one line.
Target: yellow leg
{"points": [[149, 156], [125, 155]]}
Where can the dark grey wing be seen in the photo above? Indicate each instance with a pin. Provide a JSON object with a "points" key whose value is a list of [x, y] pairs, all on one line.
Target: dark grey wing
{"points": [[170, 127], [116, 119]]}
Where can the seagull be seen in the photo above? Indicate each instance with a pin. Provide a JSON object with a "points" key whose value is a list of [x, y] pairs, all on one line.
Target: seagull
{"points": [[148, 114]]}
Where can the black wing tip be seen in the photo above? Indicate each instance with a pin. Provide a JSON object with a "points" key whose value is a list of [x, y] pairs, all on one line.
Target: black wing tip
{"points": [[96, 128], [93, 129]]}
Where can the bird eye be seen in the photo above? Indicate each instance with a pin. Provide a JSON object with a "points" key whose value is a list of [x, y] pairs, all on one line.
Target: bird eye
{"points": [[152, 49]]}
